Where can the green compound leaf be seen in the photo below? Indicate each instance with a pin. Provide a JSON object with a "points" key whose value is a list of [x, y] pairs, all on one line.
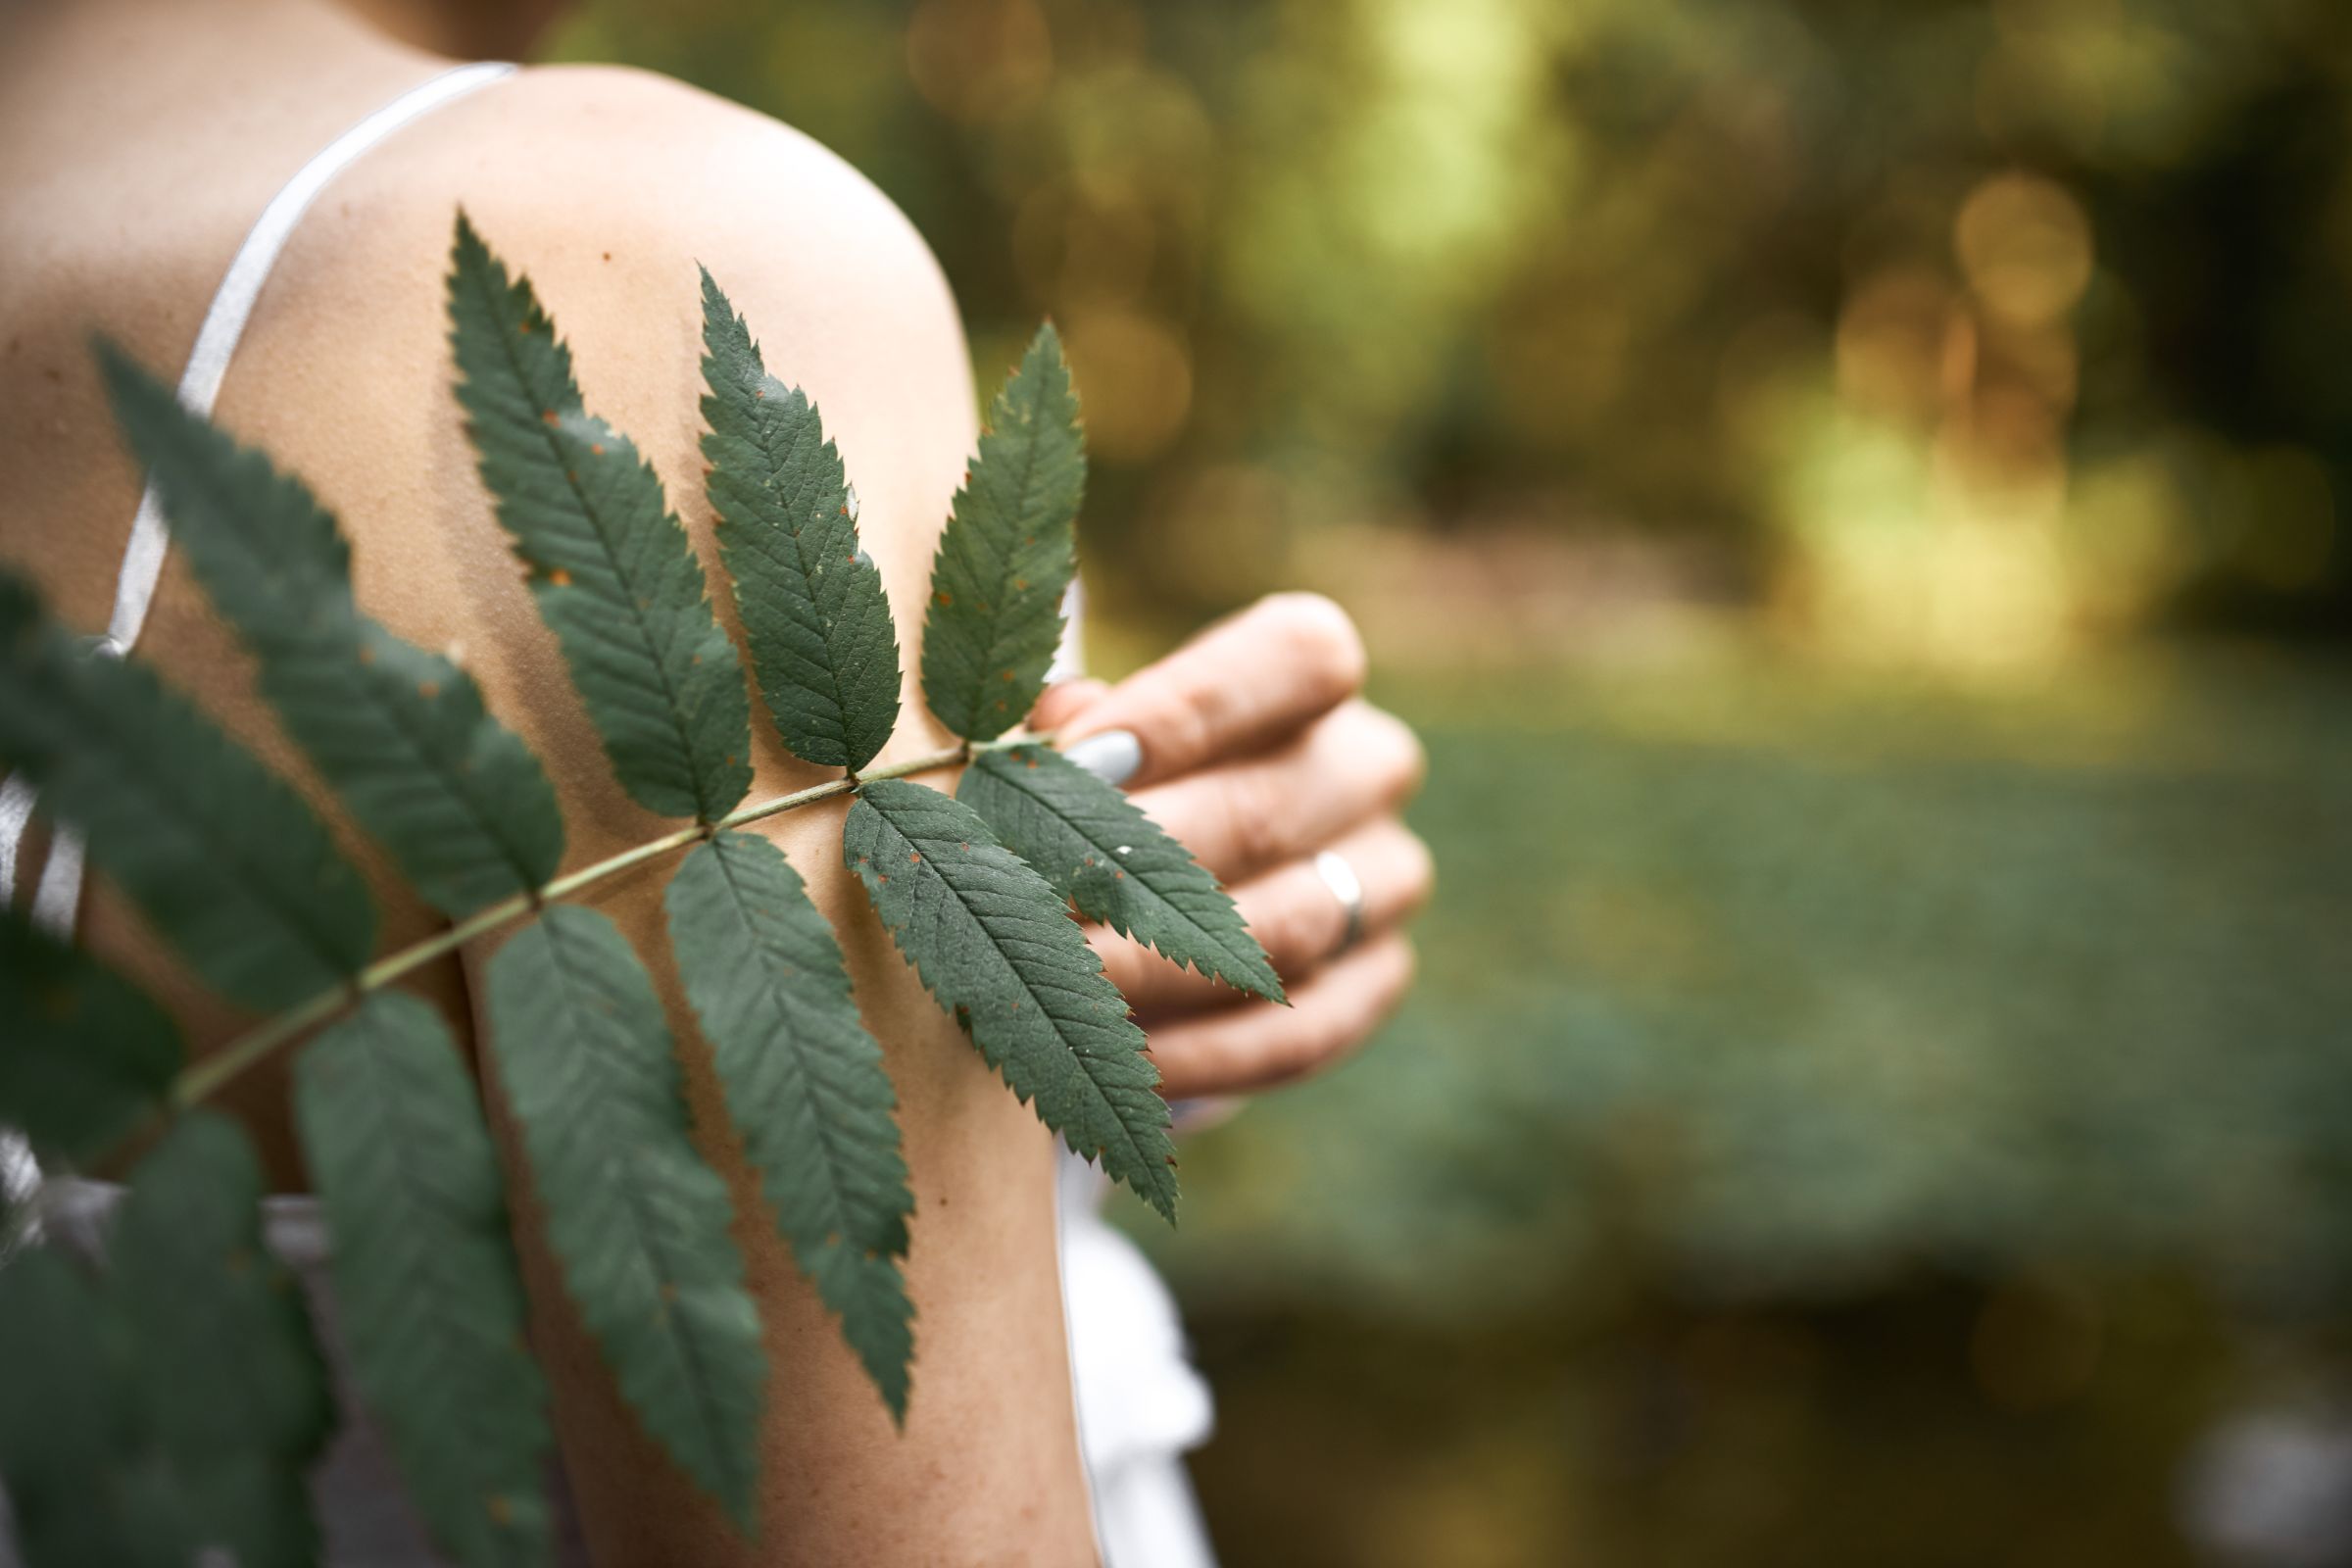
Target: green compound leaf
{"points": [[425, 1278], [88, 1056], [1098, 849], [997, 948], [1007, 553], [88, 1487], [810, 600], [636, 1219], [173, 1406], [805, 1085], [610, 565], [224, 858], [67, 1362], [230, 1387], [67, 1428], [455, 796]]}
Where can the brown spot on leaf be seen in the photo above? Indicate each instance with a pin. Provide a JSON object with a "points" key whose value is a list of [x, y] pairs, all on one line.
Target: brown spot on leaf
{"points": [[548, 415], [559, 577]]}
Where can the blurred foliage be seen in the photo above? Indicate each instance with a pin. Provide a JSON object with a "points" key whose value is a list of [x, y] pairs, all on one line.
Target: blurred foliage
{"points": [[1878, 1082], [1803, 984], [1838, 1123], [1963, 330]]}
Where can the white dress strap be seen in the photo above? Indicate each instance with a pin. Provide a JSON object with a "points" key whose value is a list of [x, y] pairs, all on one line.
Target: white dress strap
{"points": [[232, 307], [58, 897]]}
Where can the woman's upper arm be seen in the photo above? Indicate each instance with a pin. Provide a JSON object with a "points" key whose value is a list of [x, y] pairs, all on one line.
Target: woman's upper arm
{"points": [[607, 188]]}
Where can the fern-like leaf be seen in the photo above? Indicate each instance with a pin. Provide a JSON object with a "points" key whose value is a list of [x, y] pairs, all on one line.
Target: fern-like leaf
{"points": [[455, 796], [163, 1413], [231, 1385], [223, 857], [1098, 849], [1007, 553], [610, 565], [804, 1086], [636, 1219], [86, 1483], [809, 598], [995, 947], [67, 1427], [88, 1056], [424, 1275]]}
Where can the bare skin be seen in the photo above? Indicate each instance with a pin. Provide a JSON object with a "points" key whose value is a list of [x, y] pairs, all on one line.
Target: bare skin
{"points": [[137, 140]]}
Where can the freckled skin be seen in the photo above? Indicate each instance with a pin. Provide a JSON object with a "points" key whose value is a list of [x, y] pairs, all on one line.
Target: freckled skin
{"points": [[606, 187]]}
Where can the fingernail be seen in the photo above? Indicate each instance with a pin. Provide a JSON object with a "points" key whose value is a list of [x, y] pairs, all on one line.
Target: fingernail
{"points": [[1113, 756], [1201, 1113]]}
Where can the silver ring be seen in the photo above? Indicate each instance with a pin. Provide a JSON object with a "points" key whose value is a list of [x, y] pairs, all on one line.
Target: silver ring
{"points": [[1347, 886]]}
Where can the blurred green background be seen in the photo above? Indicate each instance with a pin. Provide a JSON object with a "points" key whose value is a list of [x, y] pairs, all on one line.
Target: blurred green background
{"points": [[1854, 494]]}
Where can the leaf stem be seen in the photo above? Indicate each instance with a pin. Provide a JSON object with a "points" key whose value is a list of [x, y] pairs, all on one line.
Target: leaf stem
{"points": [[202, 1080]]}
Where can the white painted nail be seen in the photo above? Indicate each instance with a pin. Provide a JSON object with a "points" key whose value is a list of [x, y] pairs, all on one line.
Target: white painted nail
{"points": [[1111, 756]]}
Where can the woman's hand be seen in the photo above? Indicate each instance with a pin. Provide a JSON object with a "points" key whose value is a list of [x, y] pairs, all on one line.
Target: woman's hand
{"points": [[1251, 746]]}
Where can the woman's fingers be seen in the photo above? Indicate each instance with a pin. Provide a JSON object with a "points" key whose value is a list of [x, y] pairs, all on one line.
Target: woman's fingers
{"points": [[1352, 764], [1293, 914], [1255, 1044], [1064, 701], [1236, 688]]}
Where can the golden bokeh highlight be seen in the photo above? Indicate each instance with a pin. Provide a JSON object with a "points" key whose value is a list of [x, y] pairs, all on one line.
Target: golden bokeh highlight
{"points": [[2025, 244], [1137, 377], [979, 61]]}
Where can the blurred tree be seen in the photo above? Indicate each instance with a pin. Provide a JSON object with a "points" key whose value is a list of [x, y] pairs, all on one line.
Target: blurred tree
{"points": [[1730, 270]]}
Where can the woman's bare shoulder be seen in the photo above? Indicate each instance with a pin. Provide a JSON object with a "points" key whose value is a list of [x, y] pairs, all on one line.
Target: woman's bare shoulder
{"points": [[574, 154], [610, 188]]}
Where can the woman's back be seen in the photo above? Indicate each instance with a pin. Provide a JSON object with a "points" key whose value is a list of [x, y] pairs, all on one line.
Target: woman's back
{"points": [[138, 141]]}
